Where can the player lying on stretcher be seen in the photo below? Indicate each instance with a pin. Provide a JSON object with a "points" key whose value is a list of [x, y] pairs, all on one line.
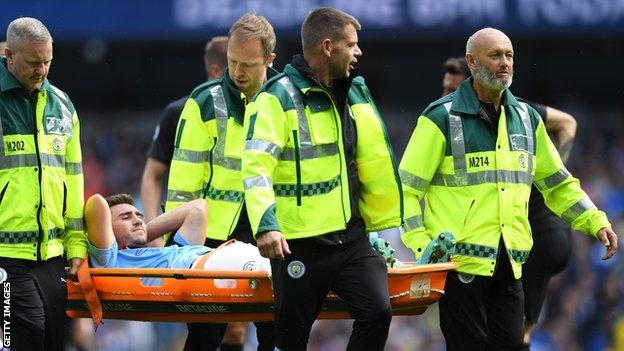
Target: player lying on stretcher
{"points": [[118, 237]]}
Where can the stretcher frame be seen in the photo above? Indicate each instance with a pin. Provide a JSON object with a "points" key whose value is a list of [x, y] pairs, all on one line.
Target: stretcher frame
{"points": [[190, 295]]}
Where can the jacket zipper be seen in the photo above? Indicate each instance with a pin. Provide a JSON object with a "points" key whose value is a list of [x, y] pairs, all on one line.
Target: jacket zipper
{"points": [[297, 167], [205, 192], [6, 186], [33, 105]]}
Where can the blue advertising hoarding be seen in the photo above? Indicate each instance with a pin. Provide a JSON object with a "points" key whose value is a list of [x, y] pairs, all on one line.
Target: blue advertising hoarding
{"points": [[193, 19]]}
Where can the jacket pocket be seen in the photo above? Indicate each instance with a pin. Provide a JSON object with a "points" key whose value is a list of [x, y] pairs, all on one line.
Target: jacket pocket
{"points": [[468, 213], [4, 189], [64, 199], [322, 128]]}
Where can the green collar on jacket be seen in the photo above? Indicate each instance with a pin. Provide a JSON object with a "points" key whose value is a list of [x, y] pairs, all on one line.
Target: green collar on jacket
{"points": [[234, 98], [298, 79], [466, 100], [8, 82]]}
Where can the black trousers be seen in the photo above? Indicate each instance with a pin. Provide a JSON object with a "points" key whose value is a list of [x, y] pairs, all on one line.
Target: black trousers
{"points": [[483, 313], [37, 301], [552, 248], [353, 271], [208, 336]]}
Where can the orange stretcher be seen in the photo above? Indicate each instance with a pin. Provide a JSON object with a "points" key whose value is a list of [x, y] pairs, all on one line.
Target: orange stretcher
{"points": [[190, 295]]}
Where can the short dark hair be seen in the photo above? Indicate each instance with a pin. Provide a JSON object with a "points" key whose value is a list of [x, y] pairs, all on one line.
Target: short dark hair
{"points": [[118, 199], [215, 52], [325, 23], [457, 65]]}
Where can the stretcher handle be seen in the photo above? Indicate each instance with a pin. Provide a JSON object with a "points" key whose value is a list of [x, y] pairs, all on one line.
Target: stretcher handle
{"points": [[421, 268], [177, 273]]}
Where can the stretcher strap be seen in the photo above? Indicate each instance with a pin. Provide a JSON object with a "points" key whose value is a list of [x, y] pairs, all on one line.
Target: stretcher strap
{"points": [[88, 289], [199, 264]]}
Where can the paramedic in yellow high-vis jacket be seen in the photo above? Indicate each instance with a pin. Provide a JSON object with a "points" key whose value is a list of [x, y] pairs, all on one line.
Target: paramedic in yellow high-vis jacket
{"points": [[41, 191], [318, 172], [473, 157]]}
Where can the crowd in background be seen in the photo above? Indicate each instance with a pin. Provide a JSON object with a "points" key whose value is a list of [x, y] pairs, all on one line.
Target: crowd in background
{"points": [[583, 309]]}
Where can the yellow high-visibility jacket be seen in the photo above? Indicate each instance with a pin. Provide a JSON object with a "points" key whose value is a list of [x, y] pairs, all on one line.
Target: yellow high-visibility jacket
{"points": [[476, 183], [41, 182], [294, 167], [207, 154]]}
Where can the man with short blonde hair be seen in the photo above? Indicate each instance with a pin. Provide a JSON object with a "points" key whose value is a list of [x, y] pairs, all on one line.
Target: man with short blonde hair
{"points": [[206, 162], [252, 26]]}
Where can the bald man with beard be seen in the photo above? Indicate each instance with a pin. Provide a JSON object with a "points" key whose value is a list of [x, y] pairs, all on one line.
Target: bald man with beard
{"points": [[475, 154]]}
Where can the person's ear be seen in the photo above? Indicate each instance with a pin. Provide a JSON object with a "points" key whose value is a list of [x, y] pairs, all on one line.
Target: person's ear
{"points": [[326, 47], [270, 59], [470, 60], [9, 54]]}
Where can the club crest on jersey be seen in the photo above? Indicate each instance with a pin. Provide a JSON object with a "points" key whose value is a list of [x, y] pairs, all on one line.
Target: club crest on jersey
{"points": [[249, 266], [3, 275], [522, 161], [57, 144], [296, 269]]}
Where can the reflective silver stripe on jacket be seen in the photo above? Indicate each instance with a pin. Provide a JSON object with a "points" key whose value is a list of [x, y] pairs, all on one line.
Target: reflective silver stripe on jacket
{"points": [[190, 156], [30, 160], [482, 177], [258, 182], [412, 223], [295, 96], [458, 148], [52, 160], [264, 146], [73, 168], [577, 209], [317, 151], [182, 196], [553, 180], [528, 130], [221, 115], [413, 181], [462, 177], [306, 149], [74, 224]]}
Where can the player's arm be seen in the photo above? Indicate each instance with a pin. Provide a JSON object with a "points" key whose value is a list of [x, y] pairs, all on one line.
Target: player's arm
{"points": [[99, 222], [563, 127], [189, 220]]}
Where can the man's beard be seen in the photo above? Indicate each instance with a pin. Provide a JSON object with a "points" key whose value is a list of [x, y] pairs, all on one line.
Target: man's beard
{"points": [[489, 80]]}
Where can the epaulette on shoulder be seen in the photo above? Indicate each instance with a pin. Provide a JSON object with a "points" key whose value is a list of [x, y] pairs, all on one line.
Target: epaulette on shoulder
{"points": [[203, 87], [439, 102], [63, 97], [272, 81], [270, 85]]}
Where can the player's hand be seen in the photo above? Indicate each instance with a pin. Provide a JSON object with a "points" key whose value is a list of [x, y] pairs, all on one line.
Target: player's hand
{"points": [[272, 245], [610, 241], [72, 270]]}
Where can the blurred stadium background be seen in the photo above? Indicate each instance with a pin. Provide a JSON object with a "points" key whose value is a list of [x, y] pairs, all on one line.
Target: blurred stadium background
{"points": [[121, 62]]}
